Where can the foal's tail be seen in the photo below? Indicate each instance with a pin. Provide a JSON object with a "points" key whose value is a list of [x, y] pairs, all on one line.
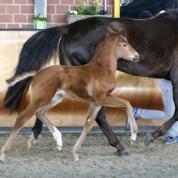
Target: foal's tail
{"points": [[15, 79], [36, 53]]}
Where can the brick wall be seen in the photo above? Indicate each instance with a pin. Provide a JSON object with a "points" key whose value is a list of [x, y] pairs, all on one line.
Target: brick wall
{"points": [[19, 13]]}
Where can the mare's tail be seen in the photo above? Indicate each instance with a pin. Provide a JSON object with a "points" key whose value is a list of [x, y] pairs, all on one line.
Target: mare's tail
{"points": [[37, 51]]}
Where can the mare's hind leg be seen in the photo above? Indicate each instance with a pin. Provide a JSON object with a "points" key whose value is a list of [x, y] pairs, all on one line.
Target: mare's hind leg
{"points": [[20, 121], [41, 114], [92, 113]]}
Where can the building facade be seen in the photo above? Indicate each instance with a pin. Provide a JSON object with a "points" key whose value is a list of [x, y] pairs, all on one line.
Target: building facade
{"points": [[19, 14]]}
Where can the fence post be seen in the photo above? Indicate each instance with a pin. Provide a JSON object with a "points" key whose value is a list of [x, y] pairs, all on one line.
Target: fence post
{"points": [[116, 8]]}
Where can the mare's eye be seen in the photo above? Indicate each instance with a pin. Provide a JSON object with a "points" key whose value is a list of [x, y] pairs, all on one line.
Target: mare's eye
{"points": [[124, 45]]}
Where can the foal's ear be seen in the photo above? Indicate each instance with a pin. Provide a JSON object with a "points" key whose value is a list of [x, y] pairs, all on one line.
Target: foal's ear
{"points": [[117, 27], [110, 30]]}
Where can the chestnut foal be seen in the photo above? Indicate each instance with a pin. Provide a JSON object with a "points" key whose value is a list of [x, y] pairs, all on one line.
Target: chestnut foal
{"points": [[93, 82]]}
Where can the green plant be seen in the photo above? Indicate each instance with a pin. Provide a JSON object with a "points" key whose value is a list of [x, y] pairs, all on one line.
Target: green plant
{"points": [[92, 10], [40, 22], [40, 18], [87, 10], [81, 9]]}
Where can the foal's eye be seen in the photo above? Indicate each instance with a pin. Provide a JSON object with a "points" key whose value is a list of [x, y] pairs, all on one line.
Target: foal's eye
{"points": [[124, 45]]}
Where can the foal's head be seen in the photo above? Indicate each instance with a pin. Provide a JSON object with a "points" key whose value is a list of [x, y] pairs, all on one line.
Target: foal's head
{"points": [[122, 48]]}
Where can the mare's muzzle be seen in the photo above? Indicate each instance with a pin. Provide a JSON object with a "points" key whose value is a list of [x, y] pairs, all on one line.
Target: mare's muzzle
{"points": [[136, 58]]}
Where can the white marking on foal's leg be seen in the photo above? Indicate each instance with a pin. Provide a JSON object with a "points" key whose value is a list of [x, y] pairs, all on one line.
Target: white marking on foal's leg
{"points": [[59, 96], [76, 156], [58, 137], [2, 157], [133, 128], [133, 125]]}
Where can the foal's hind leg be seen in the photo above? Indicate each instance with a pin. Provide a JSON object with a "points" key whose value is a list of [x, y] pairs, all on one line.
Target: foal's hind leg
{"points": [[92, 113], [55, 132], [41, 114], [20, 121]]}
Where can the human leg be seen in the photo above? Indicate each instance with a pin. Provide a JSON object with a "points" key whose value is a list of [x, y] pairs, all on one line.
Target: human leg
{"points": [[168, 104]]}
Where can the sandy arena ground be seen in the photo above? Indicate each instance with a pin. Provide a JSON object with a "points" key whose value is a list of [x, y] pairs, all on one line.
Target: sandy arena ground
{"points": [[97, 159]]}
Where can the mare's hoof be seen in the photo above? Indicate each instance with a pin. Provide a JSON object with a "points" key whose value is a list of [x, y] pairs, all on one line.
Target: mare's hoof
{"points": [[148, 139], [123, 152]]}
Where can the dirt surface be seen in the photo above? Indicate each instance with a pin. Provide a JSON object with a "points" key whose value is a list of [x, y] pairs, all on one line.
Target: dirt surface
{"points": [[97, 159]]}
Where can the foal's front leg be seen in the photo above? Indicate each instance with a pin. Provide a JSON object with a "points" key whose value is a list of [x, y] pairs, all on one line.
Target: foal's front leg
{"points": [[92, 113], [114, 101]]}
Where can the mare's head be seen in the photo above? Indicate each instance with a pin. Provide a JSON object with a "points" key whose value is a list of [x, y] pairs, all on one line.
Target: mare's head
{"points": [[122, 48]]}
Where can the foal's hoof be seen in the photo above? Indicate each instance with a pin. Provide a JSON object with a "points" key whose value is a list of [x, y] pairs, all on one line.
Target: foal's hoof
{"points": [[148, 139], [123, 152], [59, 147], [76, 157], [134, 137], [2, 158], [132, 142]]}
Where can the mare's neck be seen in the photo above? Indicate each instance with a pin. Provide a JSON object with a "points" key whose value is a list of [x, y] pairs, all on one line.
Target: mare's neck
{"points": [[105, 59]]}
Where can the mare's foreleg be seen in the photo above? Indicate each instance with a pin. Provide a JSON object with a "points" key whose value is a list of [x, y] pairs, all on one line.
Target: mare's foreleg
{"points": [[92, 113], [110, 135], [167, 125], [160, 130]]}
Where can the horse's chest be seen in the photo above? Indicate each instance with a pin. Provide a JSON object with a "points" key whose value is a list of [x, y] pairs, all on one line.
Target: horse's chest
{"points": [[103, 89], [106, 84]]}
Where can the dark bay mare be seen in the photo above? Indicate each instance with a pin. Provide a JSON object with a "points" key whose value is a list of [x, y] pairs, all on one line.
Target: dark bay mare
{"points": [[136, 8], [155, 39]]}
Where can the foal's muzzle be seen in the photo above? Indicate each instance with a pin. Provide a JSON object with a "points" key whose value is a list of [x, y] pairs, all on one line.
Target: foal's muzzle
{"points": [[136, 58]]}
